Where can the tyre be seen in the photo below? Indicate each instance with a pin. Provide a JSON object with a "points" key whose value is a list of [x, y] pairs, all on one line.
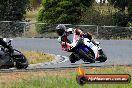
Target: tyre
{"points": [[81, 80], [92, 60], [21, 62], [102, 57], [73, 58], [87, 57]]}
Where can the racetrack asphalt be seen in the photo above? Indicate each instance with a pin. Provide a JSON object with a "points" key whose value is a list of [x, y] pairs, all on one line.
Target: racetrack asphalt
{"points": [[119, 52]]}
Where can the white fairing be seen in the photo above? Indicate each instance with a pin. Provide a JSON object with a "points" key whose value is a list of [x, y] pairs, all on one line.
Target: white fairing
{"points": [[88, 43], [69, 29], [5, 39], [92, 46], [74, 40], [59, 39]]}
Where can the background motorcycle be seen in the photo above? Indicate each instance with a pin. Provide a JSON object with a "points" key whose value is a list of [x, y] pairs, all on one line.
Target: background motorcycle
{"points": [[83, 48], [14, 58]]}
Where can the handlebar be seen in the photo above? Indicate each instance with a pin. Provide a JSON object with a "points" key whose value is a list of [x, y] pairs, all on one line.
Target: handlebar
{"points": [[9, 42]]}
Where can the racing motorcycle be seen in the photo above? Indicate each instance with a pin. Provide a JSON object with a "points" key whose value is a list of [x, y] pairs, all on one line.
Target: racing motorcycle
{"points": [[83, 48], [14, 58]]}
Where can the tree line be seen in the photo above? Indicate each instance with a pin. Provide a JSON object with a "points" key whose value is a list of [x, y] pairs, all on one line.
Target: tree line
{"points": [[12, 10], [64, 11]]}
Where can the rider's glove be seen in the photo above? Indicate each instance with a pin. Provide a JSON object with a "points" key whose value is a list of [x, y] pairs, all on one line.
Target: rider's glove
{"points": [[70, 48], [63, 44], [82, 34]]}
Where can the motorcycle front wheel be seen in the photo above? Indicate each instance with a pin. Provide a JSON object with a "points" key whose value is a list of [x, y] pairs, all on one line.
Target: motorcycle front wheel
{"points": [[102, 57], [87, 57], [73, 58]]}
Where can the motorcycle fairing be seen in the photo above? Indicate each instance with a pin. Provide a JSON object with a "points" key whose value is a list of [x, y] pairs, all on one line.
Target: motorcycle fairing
{"points": [[86, 46], [95, 49]]}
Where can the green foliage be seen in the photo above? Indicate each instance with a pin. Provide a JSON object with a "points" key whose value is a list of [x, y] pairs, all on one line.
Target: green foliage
{"points": [[129, 24], [114, 33], [130, 8], [62, 11], [87, 2], [2, 9], [122, 15], [121, 4], [94, 16], [120, 18], [34, 4], [56, 11], [12, 10]]}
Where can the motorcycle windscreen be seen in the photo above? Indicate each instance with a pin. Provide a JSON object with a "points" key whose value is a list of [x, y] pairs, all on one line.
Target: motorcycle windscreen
{"points": [[70, 38]]}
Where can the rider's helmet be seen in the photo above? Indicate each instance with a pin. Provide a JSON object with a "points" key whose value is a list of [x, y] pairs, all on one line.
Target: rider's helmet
{"points": [[60, 29]]}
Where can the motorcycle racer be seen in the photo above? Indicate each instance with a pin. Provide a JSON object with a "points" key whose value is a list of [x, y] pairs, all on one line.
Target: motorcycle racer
{"points": [[80, 44]]}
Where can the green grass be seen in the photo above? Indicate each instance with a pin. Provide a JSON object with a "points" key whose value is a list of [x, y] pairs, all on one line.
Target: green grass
{"points": [[59, 82], [68, 79]]}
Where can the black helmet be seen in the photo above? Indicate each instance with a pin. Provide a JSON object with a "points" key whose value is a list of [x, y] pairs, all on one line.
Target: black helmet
{"points": [[60, 29]]}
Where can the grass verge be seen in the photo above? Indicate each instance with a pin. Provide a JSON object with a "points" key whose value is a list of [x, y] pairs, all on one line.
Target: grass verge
{"points": [[37, 57], [60, 78]]}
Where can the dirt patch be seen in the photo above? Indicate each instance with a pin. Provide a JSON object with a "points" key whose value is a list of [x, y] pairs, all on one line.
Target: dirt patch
{"points": [[7, 78]]}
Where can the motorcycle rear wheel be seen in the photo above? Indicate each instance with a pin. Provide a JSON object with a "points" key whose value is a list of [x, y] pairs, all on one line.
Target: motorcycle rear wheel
{"points": [[73, 58]]}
